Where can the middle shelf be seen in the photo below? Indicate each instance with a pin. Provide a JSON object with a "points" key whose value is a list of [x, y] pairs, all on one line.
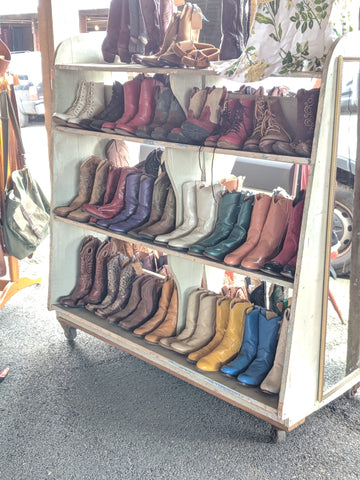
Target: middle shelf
{"points": [[171, 251]]}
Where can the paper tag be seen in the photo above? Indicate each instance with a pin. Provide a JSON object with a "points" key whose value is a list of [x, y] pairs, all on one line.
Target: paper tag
{"points": [[178, 3], [196, 20]]}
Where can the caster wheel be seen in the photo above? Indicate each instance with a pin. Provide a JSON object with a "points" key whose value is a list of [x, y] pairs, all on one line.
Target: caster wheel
{"points": [[277, 435], [70, 333], [353, 391]]}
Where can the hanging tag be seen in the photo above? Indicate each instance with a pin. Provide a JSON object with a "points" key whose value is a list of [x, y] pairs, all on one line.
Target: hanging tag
{"points": [[178, 3], [196, 20]]}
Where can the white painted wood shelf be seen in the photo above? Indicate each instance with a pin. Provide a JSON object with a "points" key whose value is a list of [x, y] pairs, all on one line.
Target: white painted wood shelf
{"points": [[78, 59]]}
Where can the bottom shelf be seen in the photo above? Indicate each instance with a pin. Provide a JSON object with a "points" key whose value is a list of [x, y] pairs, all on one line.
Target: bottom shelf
{"points": [[251, 400]]}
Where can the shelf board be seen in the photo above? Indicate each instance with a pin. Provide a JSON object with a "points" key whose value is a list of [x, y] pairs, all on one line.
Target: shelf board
{"points": [[170, 251], [228, 389], [182, 146], [135, 68]]}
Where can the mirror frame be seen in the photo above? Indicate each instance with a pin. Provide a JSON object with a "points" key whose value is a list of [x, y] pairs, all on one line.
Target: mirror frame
{"points": [[353, 341]]}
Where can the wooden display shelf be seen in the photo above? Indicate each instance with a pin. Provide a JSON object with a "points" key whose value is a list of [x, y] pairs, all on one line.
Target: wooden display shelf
{"points": [[171, 251], [192, 148], [250, 399], [135, 68]]}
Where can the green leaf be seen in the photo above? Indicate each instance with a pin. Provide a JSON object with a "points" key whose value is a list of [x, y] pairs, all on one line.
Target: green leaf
{"points": [[311, 24], [318, 9], [280, 31], [303, 27], [260, 18], [250, 48], [304, 16], [325, 6], [298, 47], [293, 18], [318, 2], [297, 25]]}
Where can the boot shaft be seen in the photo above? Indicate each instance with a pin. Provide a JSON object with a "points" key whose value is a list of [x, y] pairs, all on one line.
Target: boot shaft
{"points": [[124, 33], [95, 101], [213, 106], [151, 14], [100, 182], [276, 221], [117, 153], [207, 202], [160, 192], [146, 102], [131, 100], [79, 101], [197, 102], [259, 214], [109, 45], [87, 176], [243, 220], [307, 103]]}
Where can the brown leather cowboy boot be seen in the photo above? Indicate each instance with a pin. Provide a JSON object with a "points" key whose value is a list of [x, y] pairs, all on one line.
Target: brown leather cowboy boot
{"points": [[109, 45], [87, 177], [85, 279], [158, 318], [98, 291], [168, 327]]}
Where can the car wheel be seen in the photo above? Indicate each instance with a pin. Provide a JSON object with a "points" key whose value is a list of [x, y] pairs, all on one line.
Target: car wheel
{"points": [[23, 119], [342, 226]]}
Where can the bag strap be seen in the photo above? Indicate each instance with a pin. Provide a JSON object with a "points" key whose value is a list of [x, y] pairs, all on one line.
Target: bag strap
{"points": [[7, 113]]}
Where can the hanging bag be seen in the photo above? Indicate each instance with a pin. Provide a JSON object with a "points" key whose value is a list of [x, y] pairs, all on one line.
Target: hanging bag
{"points": [[27, 211]]}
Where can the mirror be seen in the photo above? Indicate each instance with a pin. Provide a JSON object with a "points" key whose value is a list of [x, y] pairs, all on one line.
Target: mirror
{"points": [[341, 302]]}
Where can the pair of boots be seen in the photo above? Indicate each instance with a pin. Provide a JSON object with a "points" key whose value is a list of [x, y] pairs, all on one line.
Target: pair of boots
{"points": [[100, 268], [89, 102], [135, 26], [152, 310], [200, 207], [268, 225], [231, 227], [183, 26], [199, 325], [97, 182], [235, 27], [162, 212], [258, 348], [150, 110]]}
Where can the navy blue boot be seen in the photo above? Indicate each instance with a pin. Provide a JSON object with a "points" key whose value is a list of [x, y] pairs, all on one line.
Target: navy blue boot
{"points": [[248, 348], [268, 338]]}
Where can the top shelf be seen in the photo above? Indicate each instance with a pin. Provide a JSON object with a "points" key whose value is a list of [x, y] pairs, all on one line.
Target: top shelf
{"points": [[132, 67]]}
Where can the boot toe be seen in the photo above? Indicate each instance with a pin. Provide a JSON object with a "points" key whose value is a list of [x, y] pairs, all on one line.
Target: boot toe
{"points": [[248, 381], [230, 371], [208, 366], [273, 268]]}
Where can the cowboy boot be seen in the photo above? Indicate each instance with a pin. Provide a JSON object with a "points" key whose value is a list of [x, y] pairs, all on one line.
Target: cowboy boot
{"points": [[258, 217], [196, 105], [199, 130], [272, 234], [111, 209], [97, 193], [189, 214], [235, 23], [185, 32], [289, 269], [94, 104], [226, 122], [160, 192], [207, 201], [163, 96], [192, 312], [151, 11], [111, 112], [169, 37], [127, 276], [175, 118], [130, 203], [229, 208], [167, 327], [272, 382], [269, 325], [113, 274], [134, 299], [87, 176], [138, 38], [231, 342], [131, 104], [124, 33], [85, 279], [166, 223], [277, 129], [249, 345], [159, 317], [117, 153], [105, 251], [145, 111], [242, 126], [149, 303], [111, 186], [222, 320], [238, 233], [204, 330], [142, 213], [307, 102], [261, 116], [76, 107], [291, 242], [109, 45]]}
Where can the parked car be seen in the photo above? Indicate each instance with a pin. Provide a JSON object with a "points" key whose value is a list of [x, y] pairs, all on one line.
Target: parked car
{"points": [[29, 94]]}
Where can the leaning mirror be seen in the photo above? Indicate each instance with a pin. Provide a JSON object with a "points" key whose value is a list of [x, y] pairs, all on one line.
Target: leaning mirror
{"points": [[341, 299]]}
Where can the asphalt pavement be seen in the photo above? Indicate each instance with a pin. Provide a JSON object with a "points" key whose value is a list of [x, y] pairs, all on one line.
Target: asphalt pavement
{"points": [[87, 411]]}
